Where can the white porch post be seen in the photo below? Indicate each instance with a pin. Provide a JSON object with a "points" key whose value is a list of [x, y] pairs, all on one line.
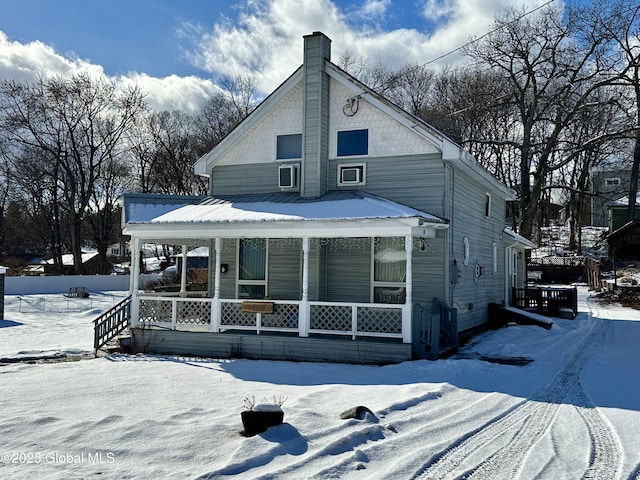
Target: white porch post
{"points": [[408, 304], [183, 273], [134, 271], [304, 320], [215, 308]]}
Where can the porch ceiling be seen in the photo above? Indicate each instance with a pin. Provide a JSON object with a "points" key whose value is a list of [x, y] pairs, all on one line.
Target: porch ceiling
{"points": [[336, 214]]}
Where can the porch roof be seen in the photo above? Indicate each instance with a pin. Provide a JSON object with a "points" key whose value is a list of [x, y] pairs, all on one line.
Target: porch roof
{"points": [[242, 215]]}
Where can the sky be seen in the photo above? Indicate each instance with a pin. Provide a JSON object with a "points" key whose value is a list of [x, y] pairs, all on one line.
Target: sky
{"points": [[177, 51]]}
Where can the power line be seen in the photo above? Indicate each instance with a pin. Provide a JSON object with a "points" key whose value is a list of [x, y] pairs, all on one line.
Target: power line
{"points": [[457, 49]]}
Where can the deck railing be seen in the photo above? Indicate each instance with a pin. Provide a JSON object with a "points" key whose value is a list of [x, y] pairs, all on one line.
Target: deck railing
{"points": [[545, 299], [348, 319], [111, 323]]}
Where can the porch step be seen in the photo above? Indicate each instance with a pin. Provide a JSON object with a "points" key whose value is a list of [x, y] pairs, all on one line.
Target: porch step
{"points": [[120, 344]]}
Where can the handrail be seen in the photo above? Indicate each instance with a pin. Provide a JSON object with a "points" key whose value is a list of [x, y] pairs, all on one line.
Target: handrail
{"points": [[111, 323]]}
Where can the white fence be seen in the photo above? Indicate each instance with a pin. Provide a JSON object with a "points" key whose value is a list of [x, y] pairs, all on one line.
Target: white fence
{"points": [[61, 284]]}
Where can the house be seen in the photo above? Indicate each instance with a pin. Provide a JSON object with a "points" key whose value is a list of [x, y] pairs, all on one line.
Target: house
{"points": [[618, 212], [607, 184], [90, 264], [624, 242], [119, 251], [340, 228]]}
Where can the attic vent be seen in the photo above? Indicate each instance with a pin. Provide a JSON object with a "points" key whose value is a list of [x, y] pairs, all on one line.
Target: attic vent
{"points": [[288, 176]]}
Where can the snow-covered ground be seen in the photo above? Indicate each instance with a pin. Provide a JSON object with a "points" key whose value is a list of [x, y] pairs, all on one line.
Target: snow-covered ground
{"points": [[574, 412]]}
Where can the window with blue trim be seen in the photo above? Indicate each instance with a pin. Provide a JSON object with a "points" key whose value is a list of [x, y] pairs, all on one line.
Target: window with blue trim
{"points": [[353, 142], [289, 146]]}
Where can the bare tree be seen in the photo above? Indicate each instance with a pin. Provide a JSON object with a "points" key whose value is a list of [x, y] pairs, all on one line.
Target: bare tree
{"points": [[77, 125], [553, 61], [626, 33]]}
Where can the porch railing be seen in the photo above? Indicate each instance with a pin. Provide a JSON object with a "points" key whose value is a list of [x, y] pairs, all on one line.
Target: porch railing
{"points": [[111, 323], [435, 329], [545, 299], [348, 319]]}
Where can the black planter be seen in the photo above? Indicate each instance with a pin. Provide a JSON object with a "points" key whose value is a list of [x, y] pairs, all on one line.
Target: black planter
{"points": [[256, 421]]}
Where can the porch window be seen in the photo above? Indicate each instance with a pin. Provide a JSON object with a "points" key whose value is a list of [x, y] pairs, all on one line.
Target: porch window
{"points": [[252, 268], [389, 270]]}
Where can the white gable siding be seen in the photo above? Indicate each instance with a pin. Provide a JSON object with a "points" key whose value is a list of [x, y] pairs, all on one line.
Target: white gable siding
{"points": [[386, 136], [258, 145]]}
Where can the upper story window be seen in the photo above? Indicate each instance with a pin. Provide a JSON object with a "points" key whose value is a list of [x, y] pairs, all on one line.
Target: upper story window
{"points": [[353, 142], [289, 146], [612, 182], [487, 205]]}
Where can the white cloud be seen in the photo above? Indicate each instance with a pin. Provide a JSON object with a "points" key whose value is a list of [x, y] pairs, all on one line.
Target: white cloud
{"points": [[265, 41], [173, 92], [26, 62], [375, 8]]}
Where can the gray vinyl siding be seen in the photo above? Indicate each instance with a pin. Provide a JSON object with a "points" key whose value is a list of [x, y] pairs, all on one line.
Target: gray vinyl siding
{"points": [[285, 270], [429, 271], [472, 295], [269, 347], [245, 179], [316, 116], [416, 181], [228, 280], [348, 273]]}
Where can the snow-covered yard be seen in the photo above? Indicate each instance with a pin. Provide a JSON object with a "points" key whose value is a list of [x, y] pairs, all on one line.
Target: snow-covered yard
{"points": [[574, 412]]}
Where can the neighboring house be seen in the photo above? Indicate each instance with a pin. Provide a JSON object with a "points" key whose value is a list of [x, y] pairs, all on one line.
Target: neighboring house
{"points": [[119, 251], [624, 242], [90, 264], [607, 185], [617, 214], [340, 228]]}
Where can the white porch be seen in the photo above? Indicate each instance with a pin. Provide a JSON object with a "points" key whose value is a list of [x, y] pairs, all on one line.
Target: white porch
{"points": [[303, 317]]}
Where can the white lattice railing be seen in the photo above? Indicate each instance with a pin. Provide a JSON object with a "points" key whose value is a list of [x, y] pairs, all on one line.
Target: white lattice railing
{"points": [[349, 319], [165, 311], [356, 319]]}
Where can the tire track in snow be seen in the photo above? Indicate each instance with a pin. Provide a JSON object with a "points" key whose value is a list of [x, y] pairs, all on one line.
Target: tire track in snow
{"points": [[536, 415]]}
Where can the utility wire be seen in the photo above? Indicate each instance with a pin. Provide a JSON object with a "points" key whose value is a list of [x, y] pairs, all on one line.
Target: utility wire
{"points": [[457, 49]]}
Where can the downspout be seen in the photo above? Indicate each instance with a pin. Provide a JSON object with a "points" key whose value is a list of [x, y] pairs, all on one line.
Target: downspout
{"points": [[135, 280]]}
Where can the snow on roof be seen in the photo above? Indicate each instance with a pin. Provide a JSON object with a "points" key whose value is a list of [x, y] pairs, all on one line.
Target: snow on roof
{"points": [[67, 258], [140, 207], [624, 201], [285, 207], [519, 238]]}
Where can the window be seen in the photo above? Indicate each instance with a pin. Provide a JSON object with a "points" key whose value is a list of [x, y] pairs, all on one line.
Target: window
{"points": [[465, 251], [487, 205], [495, 258], [289, 146], [252, 268], [389, 270], [353, 142], [353, 174], [612, 182]]}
